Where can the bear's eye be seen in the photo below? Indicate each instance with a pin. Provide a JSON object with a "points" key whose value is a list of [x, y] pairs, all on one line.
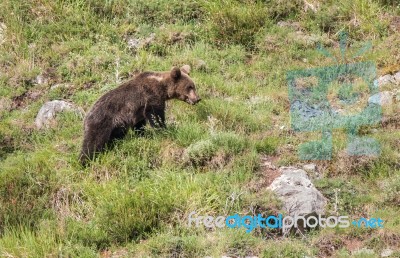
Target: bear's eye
{"points": [[190, 88]]}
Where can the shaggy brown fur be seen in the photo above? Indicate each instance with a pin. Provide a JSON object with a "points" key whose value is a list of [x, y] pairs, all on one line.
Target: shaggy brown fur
{"points": [[132, 105]]}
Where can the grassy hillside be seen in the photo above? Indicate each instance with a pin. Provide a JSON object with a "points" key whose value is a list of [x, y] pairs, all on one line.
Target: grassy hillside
{"points": [[134, 200]]}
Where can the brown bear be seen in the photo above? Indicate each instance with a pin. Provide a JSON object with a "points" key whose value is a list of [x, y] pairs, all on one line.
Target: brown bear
{"points": [[132, 105]]}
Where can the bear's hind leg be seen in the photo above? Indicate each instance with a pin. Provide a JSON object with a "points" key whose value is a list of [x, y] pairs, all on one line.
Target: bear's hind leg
{"points": [[94, 141]]}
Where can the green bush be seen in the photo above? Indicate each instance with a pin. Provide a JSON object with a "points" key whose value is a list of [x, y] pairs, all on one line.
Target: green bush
{"points": [[26, 187], [233, 23]]}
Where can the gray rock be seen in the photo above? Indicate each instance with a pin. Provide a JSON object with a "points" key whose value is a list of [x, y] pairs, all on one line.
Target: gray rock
{"points": [[299, 195], [386, 252], [201, 65], [49, 110], [386, 79], [383, 98], [41, 79]]}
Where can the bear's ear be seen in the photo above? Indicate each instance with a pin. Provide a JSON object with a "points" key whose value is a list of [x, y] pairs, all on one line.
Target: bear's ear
{"points": [[175, 73], [186, 69]]}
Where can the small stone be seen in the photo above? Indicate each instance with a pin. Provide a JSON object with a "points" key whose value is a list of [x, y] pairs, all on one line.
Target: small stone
{"points": [[396, 77], [364, 251], [383, 98], [201, 65], [310, 167], [3, 28], [268, 164], [40, 79], [386, 79], [61, 85], [133, 43], [292, 25], [386, 252]]}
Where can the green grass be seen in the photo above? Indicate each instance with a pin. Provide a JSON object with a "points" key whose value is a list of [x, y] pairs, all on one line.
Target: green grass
{"points": [[134, 199]]}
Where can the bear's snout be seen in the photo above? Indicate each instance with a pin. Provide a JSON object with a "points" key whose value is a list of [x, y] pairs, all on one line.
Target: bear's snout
{"points": [[194, 101], [193, 98]]}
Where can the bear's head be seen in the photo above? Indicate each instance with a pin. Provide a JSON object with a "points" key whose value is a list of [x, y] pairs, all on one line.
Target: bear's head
{"points": [[183, 87]]}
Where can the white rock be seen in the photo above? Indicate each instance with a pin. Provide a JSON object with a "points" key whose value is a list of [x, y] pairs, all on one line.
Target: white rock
{"points": [[383, 80], [49, 110], [299, 195], [383, 98], [386, 252]]}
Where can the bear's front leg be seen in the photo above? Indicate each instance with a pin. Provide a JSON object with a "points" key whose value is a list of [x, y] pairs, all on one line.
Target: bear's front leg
{"points": [[156, 117]]}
